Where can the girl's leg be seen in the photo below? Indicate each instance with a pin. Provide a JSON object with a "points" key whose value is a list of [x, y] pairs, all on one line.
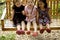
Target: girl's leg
{"points": [[48, 28], [47, 25], [41, 28], [35, 26], [23, 27], [18, 29], [35, 33], [22, 24], [28, 28], [18, 26]]}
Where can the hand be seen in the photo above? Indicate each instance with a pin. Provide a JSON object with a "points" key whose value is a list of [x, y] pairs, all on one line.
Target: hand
{"points": [[32, 17], [23, 13]]}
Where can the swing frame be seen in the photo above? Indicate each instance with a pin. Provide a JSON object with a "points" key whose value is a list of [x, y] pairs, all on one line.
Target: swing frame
{"points": [[8, 11]]}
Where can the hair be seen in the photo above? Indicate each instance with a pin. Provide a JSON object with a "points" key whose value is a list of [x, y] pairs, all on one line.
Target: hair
{"points": [[45, 3]]}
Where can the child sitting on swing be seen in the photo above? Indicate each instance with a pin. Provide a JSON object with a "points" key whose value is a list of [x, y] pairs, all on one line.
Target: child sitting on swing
{"points": [[31, 13], [18, 15], [44, 18]]}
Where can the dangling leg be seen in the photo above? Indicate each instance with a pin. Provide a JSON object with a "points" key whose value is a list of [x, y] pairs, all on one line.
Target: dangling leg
{"points": [[35, 33], [35, 26], [28, 28], [18, 29], [23, 27], [41, 25], [41, 28], [48, 28]]}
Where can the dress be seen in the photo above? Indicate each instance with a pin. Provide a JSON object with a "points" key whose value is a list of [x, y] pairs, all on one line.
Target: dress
{"points": [[18, 16], [30, 12], [44, 17]]}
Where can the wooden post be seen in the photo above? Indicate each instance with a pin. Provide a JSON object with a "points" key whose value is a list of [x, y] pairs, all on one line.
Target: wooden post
{"points": [[2, 23], [8, 8]]}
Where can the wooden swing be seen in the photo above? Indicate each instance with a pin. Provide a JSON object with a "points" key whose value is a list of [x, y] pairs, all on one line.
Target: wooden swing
{"points": [[51, 3]]}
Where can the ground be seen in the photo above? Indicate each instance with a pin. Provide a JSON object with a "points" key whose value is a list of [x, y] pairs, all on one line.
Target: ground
{"points": [[54, 35]]}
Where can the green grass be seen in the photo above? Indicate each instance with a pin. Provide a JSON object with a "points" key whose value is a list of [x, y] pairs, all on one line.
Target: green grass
{"points": [[9, 36]]}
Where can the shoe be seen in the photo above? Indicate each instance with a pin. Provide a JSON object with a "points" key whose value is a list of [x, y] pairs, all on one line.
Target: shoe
{"points": [[35, 34], [42, 30], [28, 32], [48, 30], [22, 32], [18, 32]]}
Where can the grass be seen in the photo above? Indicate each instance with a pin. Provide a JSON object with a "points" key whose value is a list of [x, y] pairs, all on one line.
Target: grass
{"points": [[9, 36]]}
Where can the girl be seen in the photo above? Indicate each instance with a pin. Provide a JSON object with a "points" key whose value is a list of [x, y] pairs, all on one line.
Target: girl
{"points": [[18, 15], [44, 18], [31, 13]]}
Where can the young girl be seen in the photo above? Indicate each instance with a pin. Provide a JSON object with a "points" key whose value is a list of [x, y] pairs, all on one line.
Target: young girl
{"points": [[18, 15], [44, 18], [31, 13]]}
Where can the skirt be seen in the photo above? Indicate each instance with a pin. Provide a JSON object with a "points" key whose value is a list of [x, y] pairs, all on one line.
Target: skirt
{"points": [[18, 18], [44, 21]]}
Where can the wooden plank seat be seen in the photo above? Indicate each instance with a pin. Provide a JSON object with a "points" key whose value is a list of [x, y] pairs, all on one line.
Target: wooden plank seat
{"points": [[55, 23]]}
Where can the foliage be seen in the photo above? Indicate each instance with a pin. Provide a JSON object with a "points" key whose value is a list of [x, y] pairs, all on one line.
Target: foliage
{"points": [[7, 37]]}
